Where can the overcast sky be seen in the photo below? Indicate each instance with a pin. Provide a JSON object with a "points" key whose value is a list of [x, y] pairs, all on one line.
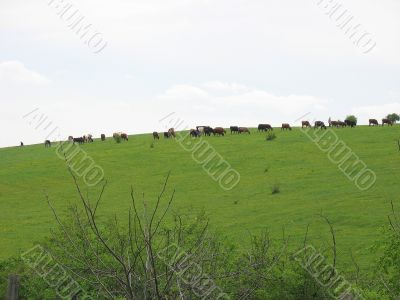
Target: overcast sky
{"points": [[212, 62]]}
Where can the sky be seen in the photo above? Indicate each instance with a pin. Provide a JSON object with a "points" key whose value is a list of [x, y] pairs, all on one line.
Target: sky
{"points": [[211, 62]]}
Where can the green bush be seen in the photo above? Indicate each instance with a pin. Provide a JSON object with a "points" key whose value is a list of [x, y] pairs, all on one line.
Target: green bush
{"points": [[271, 136]]}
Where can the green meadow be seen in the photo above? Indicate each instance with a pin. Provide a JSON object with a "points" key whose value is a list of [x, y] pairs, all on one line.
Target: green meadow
{"points": [[309, 185]]}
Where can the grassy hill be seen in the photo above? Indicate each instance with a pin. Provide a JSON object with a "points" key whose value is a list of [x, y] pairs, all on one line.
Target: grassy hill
{"points": [[309, 185]]}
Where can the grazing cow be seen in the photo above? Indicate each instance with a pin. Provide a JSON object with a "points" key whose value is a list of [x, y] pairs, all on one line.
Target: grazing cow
{"points": [[264, 127], [89, 138], [171, 131], [338, 124], [71, 138], [195, 133], [167, 135], [208, 130], [201, 129], [243, 130], [286, 126], [155, 135], [22, 144], [219, 131], [124, 136], [305, 124], [103, 137], [350, 123], [234, 129], [319, 124], [373, 122], [47, 143], [334, 123], [79, 140], [387, 121]]}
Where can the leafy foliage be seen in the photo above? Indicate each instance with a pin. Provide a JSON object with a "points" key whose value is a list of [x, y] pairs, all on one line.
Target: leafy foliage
{"points": [[393, 117], [352, 119]]}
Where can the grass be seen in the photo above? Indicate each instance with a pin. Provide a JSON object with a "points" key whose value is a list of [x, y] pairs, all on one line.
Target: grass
{"points": [[309, 185]]}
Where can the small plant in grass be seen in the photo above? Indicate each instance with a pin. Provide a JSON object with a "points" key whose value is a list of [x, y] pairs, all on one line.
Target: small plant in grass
{"points": [[266, 170], [118, 139], [152, 145], [275, 189], [271, 136]]}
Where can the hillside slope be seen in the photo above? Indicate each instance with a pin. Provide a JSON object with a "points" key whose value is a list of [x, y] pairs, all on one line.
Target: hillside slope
{"points": [[309, 185]]}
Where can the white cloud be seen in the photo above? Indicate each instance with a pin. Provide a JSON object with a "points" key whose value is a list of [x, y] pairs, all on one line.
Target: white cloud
{"points": [[16, 72], [228, 102]]}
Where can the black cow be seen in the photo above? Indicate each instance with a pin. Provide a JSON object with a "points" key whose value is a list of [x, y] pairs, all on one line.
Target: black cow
{"points": [[195, 133], [319, 124], [79, 140], [351, 123], [264, 127], [208, 131], [234, 129]]}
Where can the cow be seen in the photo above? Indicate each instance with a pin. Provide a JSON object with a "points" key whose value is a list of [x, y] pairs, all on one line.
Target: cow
{"points": [[103, 137], [350, 123], [155, 135], [286, 126], [47, 143], [171, 131], [195, 133], [334, 123], [305, 124], [90, 138], [167, 135], [387, 121], [319, 124], [264, 127], [79, 140], [71, 138], [219, 131], [373, 122], [21, 144], [234, 129], [338, 123], [208, 131], [124, 136], [244, 130]]}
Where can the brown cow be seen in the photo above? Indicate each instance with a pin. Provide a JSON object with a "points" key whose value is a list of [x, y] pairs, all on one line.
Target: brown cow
{"points": [[155, 135], [244, 130], [305, 124], [124, 136], [338, 123], [286, 126], [219, 131], [387, 121], [373, 122]]}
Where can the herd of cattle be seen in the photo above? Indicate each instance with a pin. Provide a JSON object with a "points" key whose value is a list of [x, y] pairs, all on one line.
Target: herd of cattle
{"points": [[219, 131]]}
